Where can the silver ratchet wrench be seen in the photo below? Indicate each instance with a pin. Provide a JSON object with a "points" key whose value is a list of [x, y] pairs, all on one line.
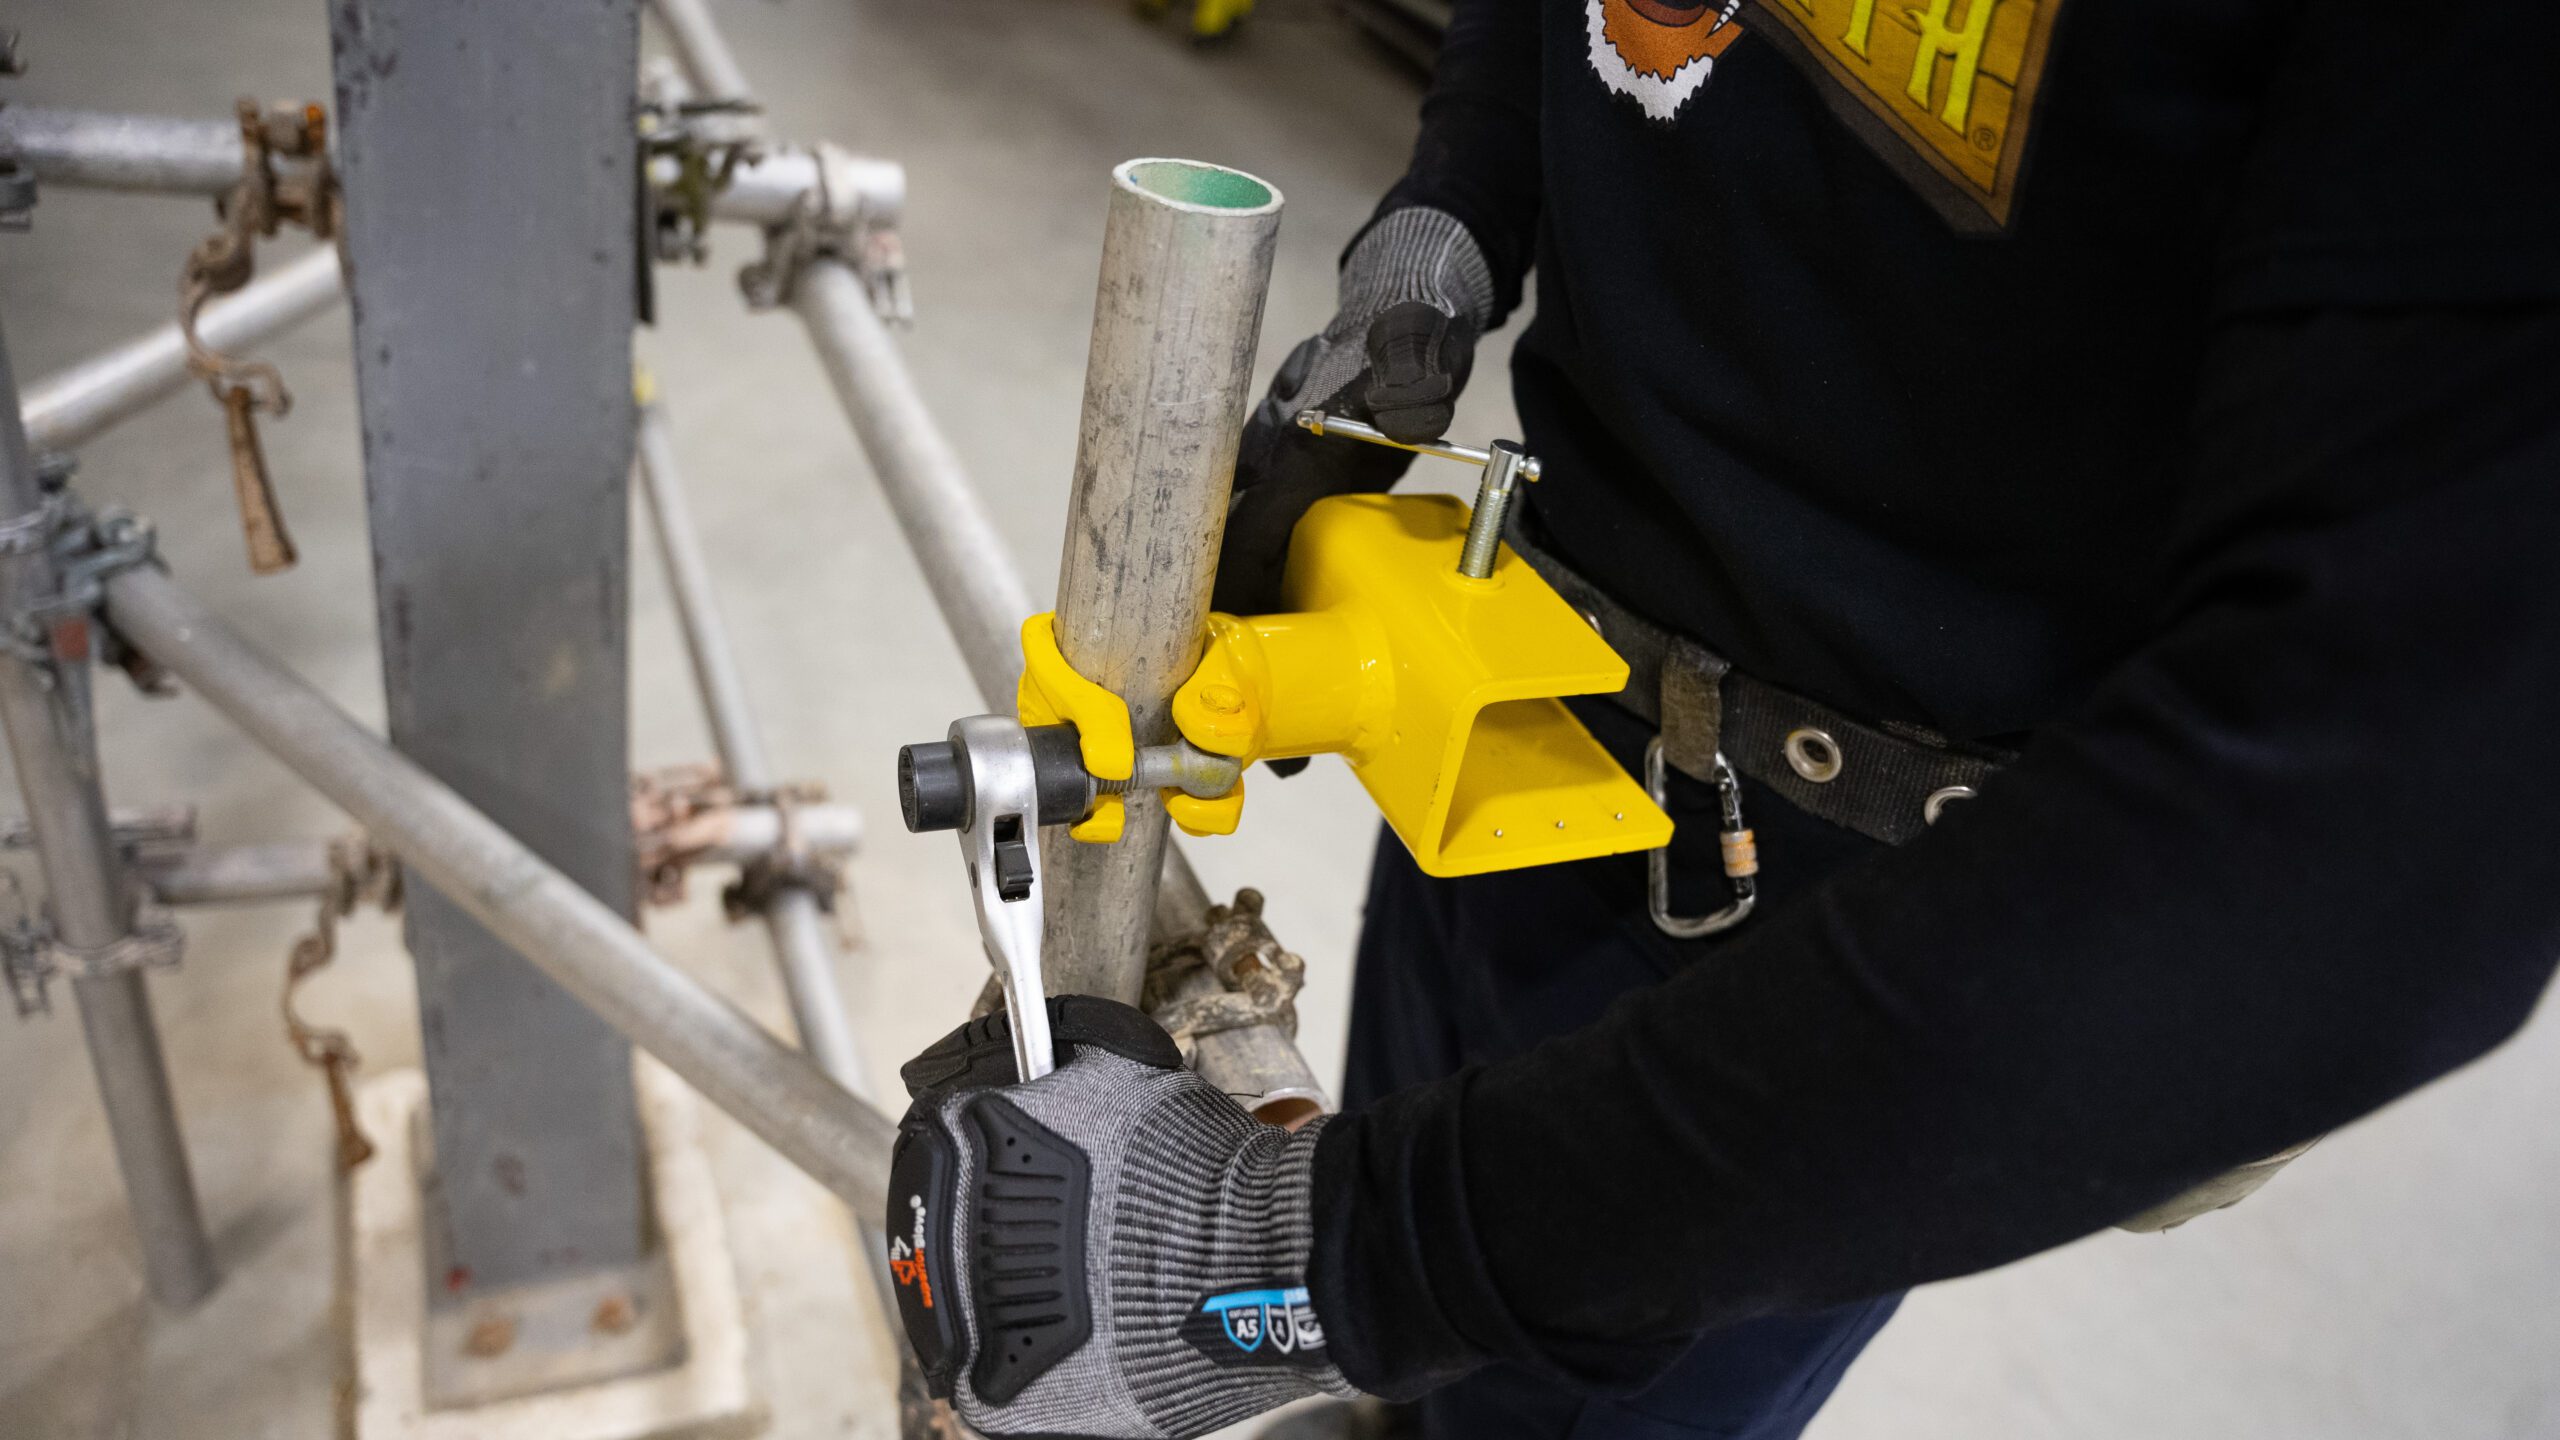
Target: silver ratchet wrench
{"points": [[1000, 839]]}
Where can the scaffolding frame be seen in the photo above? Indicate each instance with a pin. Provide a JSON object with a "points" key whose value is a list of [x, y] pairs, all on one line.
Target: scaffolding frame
{"points": [[829, 224]]}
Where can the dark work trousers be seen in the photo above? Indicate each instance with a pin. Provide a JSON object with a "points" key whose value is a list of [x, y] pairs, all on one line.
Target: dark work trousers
{"points": [[1462, 972]]}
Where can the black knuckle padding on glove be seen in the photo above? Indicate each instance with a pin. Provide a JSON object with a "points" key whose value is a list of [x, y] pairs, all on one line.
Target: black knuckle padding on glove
{"points": [[1000, 1196], [979, 1054], [1038, 1215], [1418, 359]]}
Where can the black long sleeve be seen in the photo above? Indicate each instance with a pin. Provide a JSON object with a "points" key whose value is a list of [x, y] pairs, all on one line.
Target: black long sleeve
{"points": [[1477, 154], [2231, 470], [2290, 862]]}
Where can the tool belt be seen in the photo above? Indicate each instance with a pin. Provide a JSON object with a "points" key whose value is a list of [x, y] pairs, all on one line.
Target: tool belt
{"points": [[1886, 781]]}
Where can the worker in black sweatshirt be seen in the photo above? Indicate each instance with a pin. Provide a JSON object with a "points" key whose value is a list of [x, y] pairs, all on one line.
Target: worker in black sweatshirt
{"points": [[2081, 479]]}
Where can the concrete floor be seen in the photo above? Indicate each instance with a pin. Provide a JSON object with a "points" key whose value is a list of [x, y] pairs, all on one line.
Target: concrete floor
{"points": [[2403, 1280]]}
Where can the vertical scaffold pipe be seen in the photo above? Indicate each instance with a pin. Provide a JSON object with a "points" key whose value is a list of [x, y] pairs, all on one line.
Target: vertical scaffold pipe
{"points": [[1186, 259], [44, 709]]}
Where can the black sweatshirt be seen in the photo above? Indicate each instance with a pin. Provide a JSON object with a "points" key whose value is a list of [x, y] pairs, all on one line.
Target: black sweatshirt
{"points": [[2172, 391]]}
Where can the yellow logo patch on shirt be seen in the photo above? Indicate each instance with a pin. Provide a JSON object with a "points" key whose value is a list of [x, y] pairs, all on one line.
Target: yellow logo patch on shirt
{"points": [[1948, 84]]}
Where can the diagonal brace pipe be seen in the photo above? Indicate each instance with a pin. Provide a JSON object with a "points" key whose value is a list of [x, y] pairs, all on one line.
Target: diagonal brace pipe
{"points": [[574, 938]]}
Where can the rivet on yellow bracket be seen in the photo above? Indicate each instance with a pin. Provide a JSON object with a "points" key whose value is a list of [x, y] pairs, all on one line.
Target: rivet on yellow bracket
{"points": [[1442, 691], [1052, 693]]}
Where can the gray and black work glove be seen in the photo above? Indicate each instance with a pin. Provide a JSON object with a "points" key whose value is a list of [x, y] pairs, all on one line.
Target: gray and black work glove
{"points": [[1115, 1249], [1415, 293]]}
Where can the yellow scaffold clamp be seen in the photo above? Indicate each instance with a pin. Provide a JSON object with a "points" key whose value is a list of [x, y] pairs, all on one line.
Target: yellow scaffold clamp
{"points": [[1423, 651]]}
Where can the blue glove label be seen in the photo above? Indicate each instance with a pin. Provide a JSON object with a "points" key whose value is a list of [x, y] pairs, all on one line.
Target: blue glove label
{"points": [[1268, 1327]]}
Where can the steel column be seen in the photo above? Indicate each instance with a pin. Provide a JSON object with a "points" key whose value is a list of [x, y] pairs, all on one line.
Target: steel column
{"points": [[54, 748], [1186, 259], [489, 160]]}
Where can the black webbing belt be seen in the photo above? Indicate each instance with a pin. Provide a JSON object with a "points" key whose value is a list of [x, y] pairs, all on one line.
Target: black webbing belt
{"points": [[1887, 782]]}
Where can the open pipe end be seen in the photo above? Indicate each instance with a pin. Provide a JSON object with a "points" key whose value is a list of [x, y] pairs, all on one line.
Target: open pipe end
{"points": [[1198, 186]]}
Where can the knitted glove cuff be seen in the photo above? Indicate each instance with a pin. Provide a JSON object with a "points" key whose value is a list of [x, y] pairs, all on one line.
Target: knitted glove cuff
{"points": [[1412, 254], [1416, 253]]}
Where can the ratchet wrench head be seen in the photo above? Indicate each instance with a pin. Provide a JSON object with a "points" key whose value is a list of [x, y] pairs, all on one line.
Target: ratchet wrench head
{"points": [[1000, 840]]}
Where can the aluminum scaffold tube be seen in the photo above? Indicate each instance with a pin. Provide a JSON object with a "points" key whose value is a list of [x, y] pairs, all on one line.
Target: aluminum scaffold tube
{"points": [[1186, 260], [169, 155], [954, 537], [980, 592], [71, 407], [574, 938], [144, 154], [794, 918], [703, 51], [91, 900]]}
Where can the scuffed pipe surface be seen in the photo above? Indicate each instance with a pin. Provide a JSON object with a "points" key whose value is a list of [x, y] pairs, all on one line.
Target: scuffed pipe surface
{"points": [[141, 154]]}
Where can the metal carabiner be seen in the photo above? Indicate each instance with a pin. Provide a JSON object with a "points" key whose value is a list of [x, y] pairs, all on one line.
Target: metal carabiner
{"points": [[1741, 854]]}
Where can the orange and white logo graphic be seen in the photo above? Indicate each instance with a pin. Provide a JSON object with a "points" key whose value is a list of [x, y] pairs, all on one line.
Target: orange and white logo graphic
{"points": [[1659, 52], [906, 1257]]}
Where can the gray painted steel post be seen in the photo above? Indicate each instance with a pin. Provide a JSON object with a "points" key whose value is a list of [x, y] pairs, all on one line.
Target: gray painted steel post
{"points": [[92, 904], [1186, 259], [525, 900], [489, 160]]}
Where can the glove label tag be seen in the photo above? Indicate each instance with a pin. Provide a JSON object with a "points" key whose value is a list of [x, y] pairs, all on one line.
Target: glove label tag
{"points": [[1264, 1327]]}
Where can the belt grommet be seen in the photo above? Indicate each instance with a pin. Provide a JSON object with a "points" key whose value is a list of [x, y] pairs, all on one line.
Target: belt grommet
{"points": [[1814, 755], [1937, 802]]}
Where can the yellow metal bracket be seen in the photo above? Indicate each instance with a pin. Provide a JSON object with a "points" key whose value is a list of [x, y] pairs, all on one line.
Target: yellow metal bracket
{"points": [[1442, 691]]}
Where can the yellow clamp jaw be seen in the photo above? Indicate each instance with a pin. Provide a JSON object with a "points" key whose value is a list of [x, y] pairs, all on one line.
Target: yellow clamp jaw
{"points": [[1052, 693]]}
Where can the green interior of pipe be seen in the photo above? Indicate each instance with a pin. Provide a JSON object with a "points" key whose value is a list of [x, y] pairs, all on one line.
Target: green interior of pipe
{"points": [[1201, 185]]}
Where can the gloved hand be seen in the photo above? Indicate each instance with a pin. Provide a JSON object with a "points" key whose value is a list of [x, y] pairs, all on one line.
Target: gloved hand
{"points": [[1414, 294], [1115, 1249]]}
